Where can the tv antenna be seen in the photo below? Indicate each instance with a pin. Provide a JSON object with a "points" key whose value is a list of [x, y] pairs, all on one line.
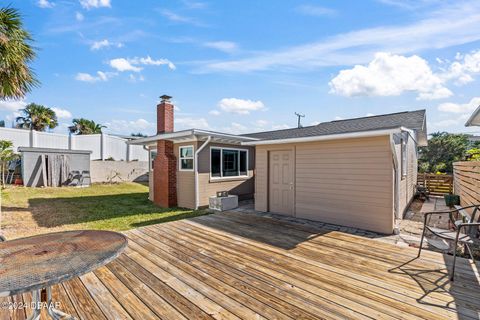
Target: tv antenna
{"points": [[299, 116]]}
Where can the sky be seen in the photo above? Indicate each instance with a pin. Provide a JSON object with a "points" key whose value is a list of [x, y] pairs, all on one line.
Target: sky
{"points": [[246, 66]]}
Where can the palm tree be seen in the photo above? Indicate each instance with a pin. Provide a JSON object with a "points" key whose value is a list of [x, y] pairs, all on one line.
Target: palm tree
{"points": [[6, 155], [85, 126], [37, 117], [139, 135], [16, 52]]}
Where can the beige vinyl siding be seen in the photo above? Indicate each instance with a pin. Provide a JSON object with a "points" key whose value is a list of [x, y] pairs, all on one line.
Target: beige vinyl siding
{"points": [[241, 186], [347, 182], [407, 184], [185, 180]]}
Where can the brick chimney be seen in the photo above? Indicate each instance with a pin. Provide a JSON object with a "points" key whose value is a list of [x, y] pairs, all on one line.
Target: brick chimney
{"points": [[165, 167]]}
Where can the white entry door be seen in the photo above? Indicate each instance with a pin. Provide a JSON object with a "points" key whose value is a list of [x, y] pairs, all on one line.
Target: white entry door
{"points": [[281, 182]]}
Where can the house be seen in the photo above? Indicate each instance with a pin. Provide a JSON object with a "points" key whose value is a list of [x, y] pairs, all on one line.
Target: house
{"points": [[357, 172]]}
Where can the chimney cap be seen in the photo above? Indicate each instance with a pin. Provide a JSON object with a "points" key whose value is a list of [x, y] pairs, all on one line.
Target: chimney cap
{"points": [[165, 98]]}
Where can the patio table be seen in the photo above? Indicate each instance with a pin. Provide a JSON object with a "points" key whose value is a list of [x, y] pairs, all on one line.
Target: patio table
{"points": [[38, 262]]}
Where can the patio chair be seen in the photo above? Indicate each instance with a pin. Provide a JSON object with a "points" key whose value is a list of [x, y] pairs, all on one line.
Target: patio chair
{"points": [[74, 178], [85, 178], [422, 191], [464, 230]]}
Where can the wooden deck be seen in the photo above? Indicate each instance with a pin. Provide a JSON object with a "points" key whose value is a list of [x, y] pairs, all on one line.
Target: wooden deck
{"points": [[238, 266]]}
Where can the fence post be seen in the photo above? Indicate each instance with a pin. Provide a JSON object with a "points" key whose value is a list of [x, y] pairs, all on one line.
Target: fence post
{"points": [[33, 138], [102, 146], [127, 158]]}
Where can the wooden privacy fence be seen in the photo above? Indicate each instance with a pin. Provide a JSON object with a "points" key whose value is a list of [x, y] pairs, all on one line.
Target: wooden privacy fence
{"points": [[437, 184], [467, 181]]}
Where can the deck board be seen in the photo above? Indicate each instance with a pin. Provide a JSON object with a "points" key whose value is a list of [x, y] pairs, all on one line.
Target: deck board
{"points": [[242, 266]]}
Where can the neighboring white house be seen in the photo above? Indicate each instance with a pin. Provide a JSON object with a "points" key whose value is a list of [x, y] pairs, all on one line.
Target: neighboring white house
{"points": [[102, 146]]}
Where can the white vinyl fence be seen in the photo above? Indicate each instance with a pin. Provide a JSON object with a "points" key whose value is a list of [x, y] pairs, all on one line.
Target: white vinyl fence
{"points": [[103, 146]]}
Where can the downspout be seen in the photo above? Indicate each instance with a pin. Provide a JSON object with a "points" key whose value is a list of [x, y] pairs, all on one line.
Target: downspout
{"points": [[396, 182], [150, 175], [197, 152]]}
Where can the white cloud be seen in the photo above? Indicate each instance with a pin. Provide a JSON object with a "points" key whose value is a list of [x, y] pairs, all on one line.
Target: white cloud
{"points": [[261, 123], [225, 46], [337, 118], [280, 126], [130, 126], [236, 128], [390, 75], [463, 69], [460, 107], [409, 4], [311, 10], [446, 123], [97, 45], [79, 16], [13, 116], [101, 76], [240, 106], [45, 4], [265, 125], [13, 105], [214, 112], [62, 113], [89, 4], [194, 4], [148, 61], [189, 123], [134, 78], [444, 26], [174, 17], [86, 77], [440, 124], [122, 64]]}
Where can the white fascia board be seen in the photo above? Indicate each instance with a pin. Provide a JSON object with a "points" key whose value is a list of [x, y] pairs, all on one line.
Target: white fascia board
{"points": [[163, 136], [363, 134], [187, 133], [474, 119], [224, 135]]}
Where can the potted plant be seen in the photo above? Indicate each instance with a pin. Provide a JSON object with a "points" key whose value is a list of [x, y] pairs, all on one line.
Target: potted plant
{"points": [[452, 200]]}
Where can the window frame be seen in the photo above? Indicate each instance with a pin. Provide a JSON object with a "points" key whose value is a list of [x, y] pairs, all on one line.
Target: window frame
{"points": [[180, 158], [221, 163], [404, 157]]}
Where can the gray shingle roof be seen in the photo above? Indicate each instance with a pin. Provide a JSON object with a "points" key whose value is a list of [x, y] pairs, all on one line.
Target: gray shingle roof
{"points": [[414, 120]]}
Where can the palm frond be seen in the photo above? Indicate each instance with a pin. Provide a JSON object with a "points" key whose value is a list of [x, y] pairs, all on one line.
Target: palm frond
{"points": [[16, 52]]}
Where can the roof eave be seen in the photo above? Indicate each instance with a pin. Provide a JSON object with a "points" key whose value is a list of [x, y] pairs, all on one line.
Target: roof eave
{"points": [[474, 119], [191, 133], [357, 134]]}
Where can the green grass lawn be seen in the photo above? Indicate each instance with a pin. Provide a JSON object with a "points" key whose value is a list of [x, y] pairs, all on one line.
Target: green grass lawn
{"points": [[28, 211]]}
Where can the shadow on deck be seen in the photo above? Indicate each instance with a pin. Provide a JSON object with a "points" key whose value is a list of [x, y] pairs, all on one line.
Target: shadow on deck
{"points": [[235, 265]]}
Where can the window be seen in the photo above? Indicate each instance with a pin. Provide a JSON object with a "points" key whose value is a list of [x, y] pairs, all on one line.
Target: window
{"points": [[404, 156], [153, 155], [186, 158], [226, 163]]}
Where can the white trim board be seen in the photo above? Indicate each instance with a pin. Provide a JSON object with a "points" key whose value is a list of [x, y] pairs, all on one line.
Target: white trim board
{"points": [[187, 158], [364, 134], [221, 163]]}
